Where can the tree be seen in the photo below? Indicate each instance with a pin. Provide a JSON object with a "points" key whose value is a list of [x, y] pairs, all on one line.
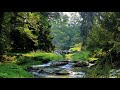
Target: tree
{"points": [[1, 38], [30, 31], [44, 38], [23, 28], [86, 24], [4, 32], [65, 31], [106, 35]]}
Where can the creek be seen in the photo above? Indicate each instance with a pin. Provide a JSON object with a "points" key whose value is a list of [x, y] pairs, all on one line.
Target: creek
{"points": [[60, 69]]}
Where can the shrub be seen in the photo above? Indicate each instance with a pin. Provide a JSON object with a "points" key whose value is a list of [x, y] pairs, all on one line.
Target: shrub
{"points": [[99, 71], [76, 47], [68, 56], [8, 59]]}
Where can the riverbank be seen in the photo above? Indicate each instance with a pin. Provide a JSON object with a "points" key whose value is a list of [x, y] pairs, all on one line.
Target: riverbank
{"points": [[50, 65]]}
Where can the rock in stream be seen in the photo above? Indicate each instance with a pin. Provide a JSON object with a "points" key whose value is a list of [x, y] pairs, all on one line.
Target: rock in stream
{"points": [[59, 69]]}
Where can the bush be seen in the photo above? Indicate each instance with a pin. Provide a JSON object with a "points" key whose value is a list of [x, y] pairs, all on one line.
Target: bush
{"points": [[99, 71], [8, 59], [76, 48], [68, 56]]}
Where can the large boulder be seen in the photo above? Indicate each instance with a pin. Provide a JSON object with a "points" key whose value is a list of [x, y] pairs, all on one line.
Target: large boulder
{"points": [[81, 64], [59, 52]]}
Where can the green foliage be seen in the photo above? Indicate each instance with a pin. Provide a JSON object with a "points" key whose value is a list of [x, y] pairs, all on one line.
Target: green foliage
{"points": [[30, 31], [4, 32], [68, 56], [86, 25], [83, 55], [36, 58], [76, 47], [13, 71], [26, 62], [98, 72], [105, 35], [99, 38], [65, 32], [8, 59], [23, 25], [44, 55]]}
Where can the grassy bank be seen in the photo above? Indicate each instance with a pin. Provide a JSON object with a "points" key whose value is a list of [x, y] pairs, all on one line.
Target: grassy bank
{"points": [[14, 65], [10, 70], [35, 58]]}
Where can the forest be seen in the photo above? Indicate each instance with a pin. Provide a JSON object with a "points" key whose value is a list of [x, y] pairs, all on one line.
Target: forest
{"points": [[59, 44]]}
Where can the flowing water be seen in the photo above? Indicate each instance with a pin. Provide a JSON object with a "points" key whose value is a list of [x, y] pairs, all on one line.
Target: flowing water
{"points": [[57, 69]]}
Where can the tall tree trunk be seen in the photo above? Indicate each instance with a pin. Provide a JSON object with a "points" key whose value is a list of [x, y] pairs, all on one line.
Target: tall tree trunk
{"points": [[1, 21], [86, 25]]}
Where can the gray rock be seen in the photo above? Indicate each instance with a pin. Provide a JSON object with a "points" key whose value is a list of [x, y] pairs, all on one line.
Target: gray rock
{"points": [[39, 66], [48, 70], [81, 64], [60, 63]]}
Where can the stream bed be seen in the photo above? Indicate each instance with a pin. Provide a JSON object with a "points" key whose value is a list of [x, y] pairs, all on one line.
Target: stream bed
{"points": [[60, 69]]}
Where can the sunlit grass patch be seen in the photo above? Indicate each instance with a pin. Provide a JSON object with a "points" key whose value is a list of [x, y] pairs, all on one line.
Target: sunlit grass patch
{"points": [[44, 55], [8, 59], [83, 55], [36, 58], [68, 56], [76, 47]]}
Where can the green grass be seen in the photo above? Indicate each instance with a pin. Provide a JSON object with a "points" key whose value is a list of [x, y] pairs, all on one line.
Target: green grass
{"points": [[35, 58], [76, 47], [8, 69], [44, 55], [68, 56], [26, 62], [17, 69], [13, 71], [83, 55]]}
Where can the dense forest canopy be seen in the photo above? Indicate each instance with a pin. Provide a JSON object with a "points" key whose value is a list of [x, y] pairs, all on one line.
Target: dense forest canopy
{"points": [[26, 31], [66, 30]]}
